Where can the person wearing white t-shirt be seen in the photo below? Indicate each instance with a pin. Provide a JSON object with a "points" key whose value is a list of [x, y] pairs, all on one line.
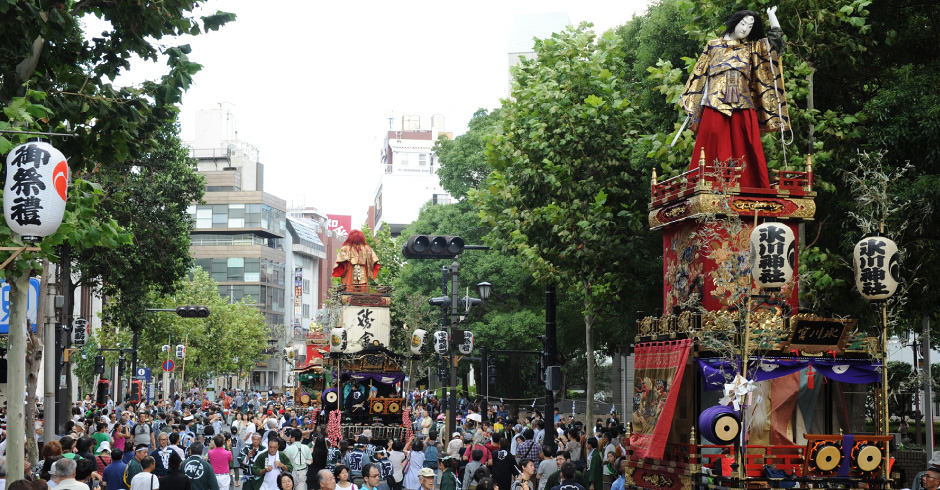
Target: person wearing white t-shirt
{"points": [[146, 480]]}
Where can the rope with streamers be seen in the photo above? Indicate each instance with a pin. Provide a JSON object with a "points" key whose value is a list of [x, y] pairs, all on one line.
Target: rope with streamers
{"points": [[406, 421], [333, 430]]}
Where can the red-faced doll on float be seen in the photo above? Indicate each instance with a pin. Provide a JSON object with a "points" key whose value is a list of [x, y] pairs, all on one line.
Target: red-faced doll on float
{"points": [[356, 263]]}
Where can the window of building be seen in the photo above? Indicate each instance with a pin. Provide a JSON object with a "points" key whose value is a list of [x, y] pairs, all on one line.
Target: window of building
{"points": [[219, 270], [307, 285], [306, 311], [403, 159], [423, 160], [204, 217], [236, 215], [236, 269], [220, 215]]}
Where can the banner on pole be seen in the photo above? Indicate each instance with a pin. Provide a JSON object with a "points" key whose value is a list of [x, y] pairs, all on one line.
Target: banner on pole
{"points": [[659, 368]]}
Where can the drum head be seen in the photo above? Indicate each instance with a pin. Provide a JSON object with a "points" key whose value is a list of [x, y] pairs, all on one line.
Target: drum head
{"points": [[868, 458], [828, 458], [331, 397], [305, 398], [393, 407], [727, 428], [378, 407]]}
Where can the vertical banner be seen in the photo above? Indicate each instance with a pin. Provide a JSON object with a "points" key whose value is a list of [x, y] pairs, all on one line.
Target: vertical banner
{"points": [[298, 295], [659, 367]]}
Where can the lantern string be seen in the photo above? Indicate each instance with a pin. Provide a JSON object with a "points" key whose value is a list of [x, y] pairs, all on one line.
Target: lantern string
{"points": [[39, 133]]}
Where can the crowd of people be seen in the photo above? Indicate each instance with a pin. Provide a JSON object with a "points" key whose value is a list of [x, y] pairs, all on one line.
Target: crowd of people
{"points": [[258, 441]]}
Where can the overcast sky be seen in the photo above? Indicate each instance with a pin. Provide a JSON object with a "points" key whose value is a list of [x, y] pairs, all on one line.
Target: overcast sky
{"points": [[314, 82]]}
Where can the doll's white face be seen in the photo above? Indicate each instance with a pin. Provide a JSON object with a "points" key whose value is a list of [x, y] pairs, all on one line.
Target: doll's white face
{"points": [[743, 29]]}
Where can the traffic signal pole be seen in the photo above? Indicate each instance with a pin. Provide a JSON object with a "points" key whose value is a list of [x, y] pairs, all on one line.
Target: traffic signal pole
{"points": [[454, 318], [551, 351]]}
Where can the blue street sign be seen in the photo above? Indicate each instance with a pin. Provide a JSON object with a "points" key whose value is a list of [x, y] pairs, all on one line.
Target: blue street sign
{"points": [[32, 303], [143, 373]]}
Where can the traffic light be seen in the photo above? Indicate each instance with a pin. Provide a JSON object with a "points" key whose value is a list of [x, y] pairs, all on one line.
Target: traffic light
{"points": [[99, 364], [122, 364], [137, 391], [443, 373], [101, 395], [553, 378], [191, 311], [442, 301], [432, 247], [491, 374]]}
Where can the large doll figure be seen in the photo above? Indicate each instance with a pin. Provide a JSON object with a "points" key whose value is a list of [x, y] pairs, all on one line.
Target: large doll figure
{"points": [[356, 263], [736, 93]]}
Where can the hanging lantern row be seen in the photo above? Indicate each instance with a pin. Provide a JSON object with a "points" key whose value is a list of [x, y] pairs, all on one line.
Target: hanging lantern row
{"points": [[35, 190], [773, 255], [877, 267]]}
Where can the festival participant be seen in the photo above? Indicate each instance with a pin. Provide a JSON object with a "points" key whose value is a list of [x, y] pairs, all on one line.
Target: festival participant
{"points": [[267, 465], [145, 480], [220, 457], [736, 92], [199, 471], [524, 482], [300, 456], [174, 479]]}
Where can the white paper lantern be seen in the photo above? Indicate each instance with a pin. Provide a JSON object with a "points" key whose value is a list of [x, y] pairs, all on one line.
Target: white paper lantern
{"points": [[441, 342], [35, 190], [773, 255], [338, 340], [79, 336], [418, 339], [180, 351], [877, 267], [466, 347]]}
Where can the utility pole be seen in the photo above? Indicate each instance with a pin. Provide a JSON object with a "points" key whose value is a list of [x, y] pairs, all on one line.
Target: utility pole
{"points": [[928, 398], [50, 357], [64, 398]]}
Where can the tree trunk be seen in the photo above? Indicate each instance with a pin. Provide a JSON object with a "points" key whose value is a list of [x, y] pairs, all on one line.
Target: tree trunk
{"points": [[589, 382], [34, 343]]}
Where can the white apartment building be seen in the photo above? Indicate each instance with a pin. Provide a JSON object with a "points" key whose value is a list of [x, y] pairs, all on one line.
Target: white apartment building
{"points": [[409, 174]]}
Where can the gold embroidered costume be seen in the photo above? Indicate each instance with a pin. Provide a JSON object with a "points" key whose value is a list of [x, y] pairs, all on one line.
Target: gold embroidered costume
{"points": [[740, 75]]}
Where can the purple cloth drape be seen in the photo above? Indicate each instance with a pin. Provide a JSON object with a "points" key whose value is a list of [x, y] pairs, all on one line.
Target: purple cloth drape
{"points": [[716, 372]]}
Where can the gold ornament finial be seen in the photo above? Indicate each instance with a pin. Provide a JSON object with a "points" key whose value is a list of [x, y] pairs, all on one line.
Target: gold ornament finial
{"points": [[701, 159], [809, 163], [654, 177]]}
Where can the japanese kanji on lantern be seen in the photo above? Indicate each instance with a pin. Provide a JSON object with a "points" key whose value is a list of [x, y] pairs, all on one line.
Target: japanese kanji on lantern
{"points": [[877, 267], [773, 255], [35, 190]]}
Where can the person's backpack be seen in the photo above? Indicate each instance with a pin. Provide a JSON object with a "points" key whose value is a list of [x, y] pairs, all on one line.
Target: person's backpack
{"points": [[430, 456], [127, 481]]}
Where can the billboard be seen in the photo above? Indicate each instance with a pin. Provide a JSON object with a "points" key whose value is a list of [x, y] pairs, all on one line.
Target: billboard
{"points": [[341, 224]]}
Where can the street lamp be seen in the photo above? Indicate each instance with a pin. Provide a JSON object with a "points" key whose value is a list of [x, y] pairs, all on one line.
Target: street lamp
{"points": [[484, 289]]}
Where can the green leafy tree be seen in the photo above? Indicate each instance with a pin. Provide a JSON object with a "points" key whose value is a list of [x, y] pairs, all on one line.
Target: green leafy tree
{"points": [[55, 78], [513, 317], [232, 339], [149, 201], [560, 194], [463, 161]]}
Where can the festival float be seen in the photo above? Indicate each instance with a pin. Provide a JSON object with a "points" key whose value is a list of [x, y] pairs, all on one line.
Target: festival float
{"points": [[734, 386], [362, 379]]}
